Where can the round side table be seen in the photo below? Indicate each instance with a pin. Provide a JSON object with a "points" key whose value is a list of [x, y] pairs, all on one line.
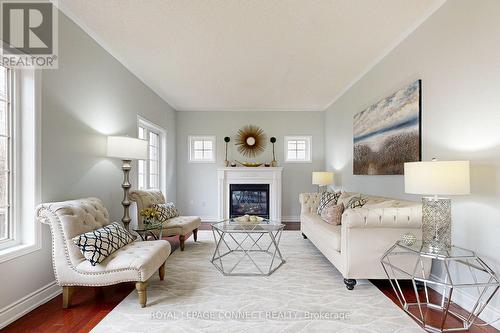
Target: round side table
{"points": [[454, 269]]}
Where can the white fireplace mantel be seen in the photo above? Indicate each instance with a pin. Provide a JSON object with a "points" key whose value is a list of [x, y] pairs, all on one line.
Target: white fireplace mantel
{"points": [[249, 175]]}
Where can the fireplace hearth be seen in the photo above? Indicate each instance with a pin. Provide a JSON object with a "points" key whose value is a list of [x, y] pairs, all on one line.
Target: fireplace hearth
{"points": [[251, 199]]}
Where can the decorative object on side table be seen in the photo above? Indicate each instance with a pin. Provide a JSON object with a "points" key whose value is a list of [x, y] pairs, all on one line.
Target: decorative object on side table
{"points": [[127, 149], [274, 163], [226, 140], [455, 269], [251, 141], [437, 178], [387, 134], [149, 215], [322, 179]]}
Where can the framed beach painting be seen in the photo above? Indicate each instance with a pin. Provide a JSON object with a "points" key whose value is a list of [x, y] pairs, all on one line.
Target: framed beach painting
{"points": [[388, 133]]}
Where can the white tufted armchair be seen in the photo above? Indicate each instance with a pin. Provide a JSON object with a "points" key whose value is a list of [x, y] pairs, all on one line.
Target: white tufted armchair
{"points": [[180, 225], [135, 262]]}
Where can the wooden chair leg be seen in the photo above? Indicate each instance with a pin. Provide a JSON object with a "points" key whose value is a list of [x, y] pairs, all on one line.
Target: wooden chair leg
{"points": [[141, 288], [67, 293], [182, 238], [195, 234], [161, 271]]}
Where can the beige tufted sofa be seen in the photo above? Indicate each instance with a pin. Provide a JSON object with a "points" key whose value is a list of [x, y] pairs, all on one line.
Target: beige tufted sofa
{"points": [[135, 262], [356, 246], [180, 225]]}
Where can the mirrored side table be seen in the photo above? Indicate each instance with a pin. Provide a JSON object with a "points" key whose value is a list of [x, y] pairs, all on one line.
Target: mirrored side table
{"points": [[454, 270]]}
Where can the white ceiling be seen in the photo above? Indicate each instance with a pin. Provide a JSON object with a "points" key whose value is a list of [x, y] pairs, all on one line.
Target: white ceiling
{"points": [[249, 54]]}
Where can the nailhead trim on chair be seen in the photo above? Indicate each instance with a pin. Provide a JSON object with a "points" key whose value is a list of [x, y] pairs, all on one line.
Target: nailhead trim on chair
{"points": [[44, 216]]}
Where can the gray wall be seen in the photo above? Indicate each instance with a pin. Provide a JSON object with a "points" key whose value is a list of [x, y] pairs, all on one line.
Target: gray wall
{"points": [[197, 183], [90, 96], [456, 53]]}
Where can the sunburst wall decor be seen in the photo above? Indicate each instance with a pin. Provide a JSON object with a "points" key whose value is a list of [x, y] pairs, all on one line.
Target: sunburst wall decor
{"points": [[251, 141]]}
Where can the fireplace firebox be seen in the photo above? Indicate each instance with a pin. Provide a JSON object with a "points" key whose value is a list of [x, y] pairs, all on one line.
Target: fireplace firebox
{"points": [[251, 199]]}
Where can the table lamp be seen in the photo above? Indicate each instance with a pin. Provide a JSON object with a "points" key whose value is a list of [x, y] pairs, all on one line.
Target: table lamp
{"points": [[322, 179], [127, 149], [437, 178]]}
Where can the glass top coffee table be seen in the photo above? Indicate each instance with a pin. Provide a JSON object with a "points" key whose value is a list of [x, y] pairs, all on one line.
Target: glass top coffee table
{"points": [[247, 249]]}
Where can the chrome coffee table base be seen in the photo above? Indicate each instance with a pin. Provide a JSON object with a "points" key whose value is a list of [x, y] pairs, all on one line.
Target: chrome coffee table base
{"points": [[418, 257], [255, 246]]}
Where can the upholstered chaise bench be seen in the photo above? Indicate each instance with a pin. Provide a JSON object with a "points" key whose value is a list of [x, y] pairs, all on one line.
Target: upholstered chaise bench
{"points": [[179, 225], [134, 262]]}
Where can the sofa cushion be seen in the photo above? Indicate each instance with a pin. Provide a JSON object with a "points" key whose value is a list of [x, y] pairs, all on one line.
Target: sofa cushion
{"points": [[329, 233], [345, 197], [181, 224], [333, 213], [98, 244], [165, 211], [326, 199], [356, 202], [136, 261]]}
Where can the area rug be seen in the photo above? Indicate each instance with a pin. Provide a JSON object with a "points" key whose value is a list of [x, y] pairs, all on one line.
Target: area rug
{"points": [[306, 294]]}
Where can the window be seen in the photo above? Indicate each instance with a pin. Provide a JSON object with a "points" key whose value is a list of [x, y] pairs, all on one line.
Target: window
{"points": [[202, 149], [7, 223], [298, 148], [19, 161], [151, 171]]}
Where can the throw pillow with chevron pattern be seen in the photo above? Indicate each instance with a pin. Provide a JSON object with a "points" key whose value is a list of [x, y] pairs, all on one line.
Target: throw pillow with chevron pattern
{"points": [[97, 245], [165, 211], [356, 202], [327, 198]]}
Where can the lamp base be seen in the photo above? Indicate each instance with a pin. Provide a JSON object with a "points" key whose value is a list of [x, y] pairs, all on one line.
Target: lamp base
{"points": [[436, 223], [126, 187]]}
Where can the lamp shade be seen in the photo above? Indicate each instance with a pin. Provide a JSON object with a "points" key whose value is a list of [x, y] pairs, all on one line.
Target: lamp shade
{"points": [[127, 148], [437, 177], [322, 178]]}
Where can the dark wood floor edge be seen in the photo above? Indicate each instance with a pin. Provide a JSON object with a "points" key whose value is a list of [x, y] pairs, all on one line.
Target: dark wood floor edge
{"points": [[385, 288], [40, 300]]}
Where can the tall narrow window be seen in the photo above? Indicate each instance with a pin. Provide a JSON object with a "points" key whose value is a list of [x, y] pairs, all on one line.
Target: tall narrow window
{"points": [[152, 170], [7, 226], [19, 161], [298, 148]]}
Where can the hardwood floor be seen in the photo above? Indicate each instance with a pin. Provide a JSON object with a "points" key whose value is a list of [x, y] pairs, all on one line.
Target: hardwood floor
{"points": [[434, 317], [91, 305]]}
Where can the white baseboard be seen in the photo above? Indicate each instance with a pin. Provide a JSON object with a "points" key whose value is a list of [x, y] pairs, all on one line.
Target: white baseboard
{"points": [[290, 218], [466, 301], [209, 219], [26, 304]]}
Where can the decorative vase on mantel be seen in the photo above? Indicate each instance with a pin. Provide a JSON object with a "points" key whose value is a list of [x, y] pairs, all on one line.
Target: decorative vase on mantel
{"points": [[226, 140], [274, 163]]}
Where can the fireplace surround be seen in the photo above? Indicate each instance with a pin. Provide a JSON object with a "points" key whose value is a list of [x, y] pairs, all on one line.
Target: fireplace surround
{"points": [[249, 176]]}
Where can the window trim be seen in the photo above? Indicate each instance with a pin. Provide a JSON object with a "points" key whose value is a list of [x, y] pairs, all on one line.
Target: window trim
{"points": [[28, 98], [143, 122], [12, 123], [307, 138], [212, 138]]}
